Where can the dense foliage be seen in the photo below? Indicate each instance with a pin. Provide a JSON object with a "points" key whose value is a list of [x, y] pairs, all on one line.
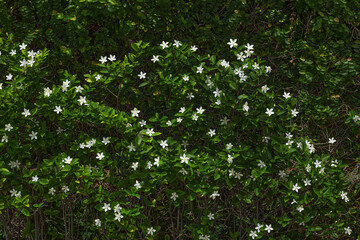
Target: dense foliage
{"points": [[179, 120]]}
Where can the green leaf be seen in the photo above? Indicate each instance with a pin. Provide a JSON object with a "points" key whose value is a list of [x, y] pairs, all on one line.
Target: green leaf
{"points": [[4, 171], [25, 212], [43, 181]]}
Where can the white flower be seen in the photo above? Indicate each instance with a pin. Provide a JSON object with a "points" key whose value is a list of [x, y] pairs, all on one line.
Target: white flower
{"points": [[67, 160], [200, 110], [356, 118], [249, 47], [282, 173], [79, 89], [23, 63], [242, 77], [193, 48], [155, 59], [268, 228], [348, 230], [164, 44], [211, 132], [14, 164], [308, 168], [168, 123], [195, 117], [248, 52], [241, 56], [294, 112], [151, 231], [269, 111], [82, 100], [307, 182], [177, 43], [31, 53], [5, 138], [238, 175], [106, 207], [150, 131], [300, 208], [184, 159], [65, 189], [286, 95], [229, 146], [174, 196], [190, 96], [142, 75], [149, 165], [35, 178], [224, 121], [264, 88], [230, 159], [179, 120], [296, 187], [332, 140], [163, 143], [157, 161], [30, 62], [184, 144], [261, 164], [186, 78], [58, 109], [214, 195], [199, 69], [204, 237], [182, 110], [13, 52], [344, 196], [135, 165], [52, 191], [317, 164], [183, 171], [267, 69], [112, 58], [255, 65], [135, 112], [33, 135], [258, 227], [105, 140], [246, 107], [131, 147], [118, 216], [334, 163], [65, 85], [117, 208], [98, 222], [22, 46], [47, 92], [100, 156], [137, 185], [98, 77], [232, 43], [13, 193], [211, 216], [225, 63], [8, 127], [26, 112], [103, 59], [253, 234], [217, 92], [288, 135]]}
